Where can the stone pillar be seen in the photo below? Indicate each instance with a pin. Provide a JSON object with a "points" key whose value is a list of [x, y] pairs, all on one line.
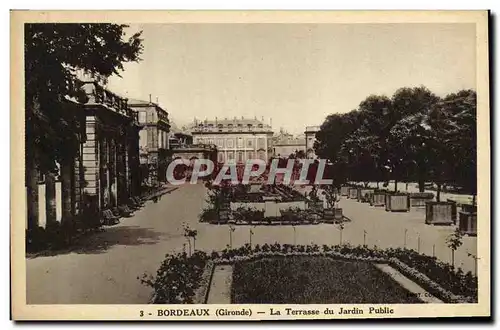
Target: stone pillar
{"points": [[113, 175], [90, 167], [66, 190], [32, 194], [50, 198]]}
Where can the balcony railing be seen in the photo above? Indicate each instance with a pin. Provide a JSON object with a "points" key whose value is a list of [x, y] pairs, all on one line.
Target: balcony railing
{"points": [[98, 95]]}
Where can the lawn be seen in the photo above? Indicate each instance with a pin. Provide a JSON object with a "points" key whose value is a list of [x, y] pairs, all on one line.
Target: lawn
{"points": [[314, 280]]}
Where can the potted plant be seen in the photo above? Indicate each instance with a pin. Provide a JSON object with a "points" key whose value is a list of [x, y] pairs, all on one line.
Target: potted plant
{"points": [[332, 199]]}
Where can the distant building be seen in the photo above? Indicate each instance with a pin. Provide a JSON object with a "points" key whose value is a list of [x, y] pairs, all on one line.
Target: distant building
{"points": [[237, 140], [310, 139], [285, 144], [179, 137], [153, 139]]}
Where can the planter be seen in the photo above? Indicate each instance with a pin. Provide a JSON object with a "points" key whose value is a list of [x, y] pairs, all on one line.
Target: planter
{"points": [[316, 206], [365, 195], [377, 198], [328, 214], [353, 193], [440, 213], [344, 191], [468, 223], [397, 202], [338, 214], [224, 216], [469, 208]]}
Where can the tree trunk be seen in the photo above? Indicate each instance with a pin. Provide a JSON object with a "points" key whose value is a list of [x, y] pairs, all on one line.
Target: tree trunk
{"points": [[421, 185], [395, 185], [473, 199], [453, 258], [50, 198], [32, 195], [378, 186], [438, 193]]}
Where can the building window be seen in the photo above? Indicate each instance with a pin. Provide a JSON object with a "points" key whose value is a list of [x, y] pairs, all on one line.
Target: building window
{"points": [[240, 142], [221, 157], [249, 155], [262, 155], [262, 143], [229, 143], [143, 138], [142, 117], [220, 143], [230, 155], [240, 156], [250, 143]]}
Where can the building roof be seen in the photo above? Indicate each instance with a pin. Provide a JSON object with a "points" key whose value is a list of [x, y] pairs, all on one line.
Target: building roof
{"points": [[142, 103], [230, 125]]}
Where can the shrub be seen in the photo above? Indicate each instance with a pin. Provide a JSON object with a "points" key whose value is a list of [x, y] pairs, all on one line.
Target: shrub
{"points": [[177, 278]]}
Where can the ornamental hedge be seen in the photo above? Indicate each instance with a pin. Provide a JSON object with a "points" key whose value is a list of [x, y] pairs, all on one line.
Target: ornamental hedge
{"points": [[179, 278]]}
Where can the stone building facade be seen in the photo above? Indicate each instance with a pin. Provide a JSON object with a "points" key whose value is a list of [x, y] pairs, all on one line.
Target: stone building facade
{"points": [[310, 134], [153, 140], [236, 140], [285, 144], [99, 172]]}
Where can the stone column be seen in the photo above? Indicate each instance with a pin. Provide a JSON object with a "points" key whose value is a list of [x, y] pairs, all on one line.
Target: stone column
{"points": [[50, 198], [66, 190], [32, 194]]}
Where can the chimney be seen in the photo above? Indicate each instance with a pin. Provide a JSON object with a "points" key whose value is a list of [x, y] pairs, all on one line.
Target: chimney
{"points": [[149, 98]]}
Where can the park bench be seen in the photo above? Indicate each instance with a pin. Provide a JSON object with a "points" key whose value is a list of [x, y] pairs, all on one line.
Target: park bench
{"points": [[109, 219], [125, 211]]}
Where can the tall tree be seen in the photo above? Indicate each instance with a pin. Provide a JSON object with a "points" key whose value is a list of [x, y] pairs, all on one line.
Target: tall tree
{"points": [[53, 53], [409, 130]]}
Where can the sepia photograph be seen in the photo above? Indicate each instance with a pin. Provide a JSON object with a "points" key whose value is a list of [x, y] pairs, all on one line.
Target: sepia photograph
{"points": [[250, 165]]}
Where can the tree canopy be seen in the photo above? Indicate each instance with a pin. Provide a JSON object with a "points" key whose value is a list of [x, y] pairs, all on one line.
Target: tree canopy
{"points": [[412, 136], [53, 53]]}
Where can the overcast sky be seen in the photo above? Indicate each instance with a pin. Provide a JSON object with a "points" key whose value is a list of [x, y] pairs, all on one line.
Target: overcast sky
{"points": [[295, 74]]}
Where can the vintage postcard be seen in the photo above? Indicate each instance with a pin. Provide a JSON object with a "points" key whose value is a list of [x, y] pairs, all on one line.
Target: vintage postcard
{"points": [[259, 165]]}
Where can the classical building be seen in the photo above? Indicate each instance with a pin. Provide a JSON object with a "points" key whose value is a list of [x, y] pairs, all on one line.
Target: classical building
{"points": [[310, 134], [285, 144], [153, 140], [99, 172], [179, 137], [236, 139]]}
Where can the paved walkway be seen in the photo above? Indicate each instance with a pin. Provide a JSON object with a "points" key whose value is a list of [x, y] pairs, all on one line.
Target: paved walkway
{"points": [[104, 268]]}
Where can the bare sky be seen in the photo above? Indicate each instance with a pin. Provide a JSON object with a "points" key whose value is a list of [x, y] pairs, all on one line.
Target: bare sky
{"points": [[295, 74]]}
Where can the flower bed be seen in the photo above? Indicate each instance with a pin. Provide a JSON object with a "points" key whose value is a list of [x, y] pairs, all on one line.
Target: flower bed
{"points": [[314, 280], [180, 278]]}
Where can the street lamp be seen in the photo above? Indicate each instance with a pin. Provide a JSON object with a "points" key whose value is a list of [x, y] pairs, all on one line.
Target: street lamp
{"points": [[231, 230], [294, 235], [250, 234]]}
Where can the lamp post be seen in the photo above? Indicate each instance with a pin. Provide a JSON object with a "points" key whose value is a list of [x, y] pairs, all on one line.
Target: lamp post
{"points": [[231, 230], [404, 242], [364, 237], [294, 235], [418, 244], [250, 236]]}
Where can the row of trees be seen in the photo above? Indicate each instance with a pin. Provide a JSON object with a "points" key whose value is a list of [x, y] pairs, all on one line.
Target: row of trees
{"points": [[414, 136]]}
